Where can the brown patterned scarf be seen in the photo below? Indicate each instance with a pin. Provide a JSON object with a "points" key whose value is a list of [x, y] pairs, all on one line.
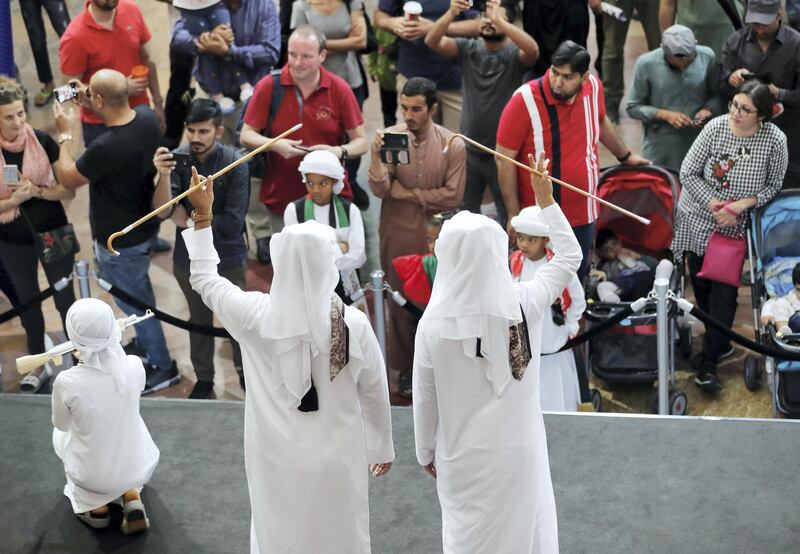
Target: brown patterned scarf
{"points": [[519, 347], [340, 353]]}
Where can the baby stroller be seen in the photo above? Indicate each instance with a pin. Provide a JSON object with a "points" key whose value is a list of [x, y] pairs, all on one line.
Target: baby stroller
{"points": [[774, 249], [626, 352]]}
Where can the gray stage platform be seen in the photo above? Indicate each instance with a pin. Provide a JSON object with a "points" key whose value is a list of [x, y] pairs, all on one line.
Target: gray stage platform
{"points": [[622, 483]]}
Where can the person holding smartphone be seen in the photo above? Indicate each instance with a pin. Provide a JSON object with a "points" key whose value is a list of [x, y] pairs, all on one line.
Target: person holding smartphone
{"points": [[30, 201]]}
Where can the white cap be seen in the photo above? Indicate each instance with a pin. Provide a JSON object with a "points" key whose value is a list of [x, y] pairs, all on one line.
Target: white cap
{"points": [[324, 163], [529, 222]]}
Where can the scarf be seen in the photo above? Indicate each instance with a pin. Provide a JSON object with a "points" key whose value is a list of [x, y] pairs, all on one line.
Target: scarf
{"points": [[35, 166]]}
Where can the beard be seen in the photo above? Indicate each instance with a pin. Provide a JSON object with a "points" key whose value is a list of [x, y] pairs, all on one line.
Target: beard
{"points": [[560, 96], [495, 37]]}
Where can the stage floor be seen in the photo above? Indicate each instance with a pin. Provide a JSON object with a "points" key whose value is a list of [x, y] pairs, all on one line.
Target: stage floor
{"points": [[622, 484]]}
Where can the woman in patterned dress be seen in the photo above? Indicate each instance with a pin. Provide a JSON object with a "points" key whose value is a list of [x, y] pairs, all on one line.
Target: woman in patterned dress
{"points": [[737, 163]]}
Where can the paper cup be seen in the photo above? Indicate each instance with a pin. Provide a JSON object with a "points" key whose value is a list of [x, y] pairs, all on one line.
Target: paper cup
{"points": [[139, 71], [412, 10]]}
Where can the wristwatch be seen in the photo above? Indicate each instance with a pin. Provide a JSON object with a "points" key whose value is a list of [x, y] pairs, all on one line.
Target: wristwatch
{"points": [[623, 159], [64, 137], [198, 218], [344, 153]]}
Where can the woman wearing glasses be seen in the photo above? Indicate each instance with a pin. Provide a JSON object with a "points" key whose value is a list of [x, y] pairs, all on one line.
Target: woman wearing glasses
{"points": [[737, 163]]}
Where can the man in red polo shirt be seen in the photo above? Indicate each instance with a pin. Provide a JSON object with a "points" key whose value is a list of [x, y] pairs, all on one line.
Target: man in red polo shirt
{"points": [[562, 114], [109, 34], [326, 106]]}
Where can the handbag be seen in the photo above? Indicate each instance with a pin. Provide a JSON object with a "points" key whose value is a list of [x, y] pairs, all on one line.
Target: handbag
{"points": [[724, 259], [55, 244]]}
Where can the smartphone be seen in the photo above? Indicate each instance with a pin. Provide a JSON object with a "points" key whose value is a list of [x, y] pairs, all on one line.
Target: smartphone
{"points": [[10, 174], [395, 149], [183, 162], [479, 5], [65, 93], [699, 122]]}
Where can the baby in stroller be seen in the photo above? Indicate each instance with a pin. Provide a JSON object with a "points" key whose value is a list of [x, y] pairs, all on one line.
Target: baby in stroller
{"points": [[618, 273], [784, 311]]}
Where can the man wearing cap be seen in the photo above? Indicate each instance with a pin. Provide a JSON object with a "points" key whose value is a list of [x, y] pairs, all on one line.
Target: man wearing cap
{"points": [[767, 49], [673, 95], [709, 22]]}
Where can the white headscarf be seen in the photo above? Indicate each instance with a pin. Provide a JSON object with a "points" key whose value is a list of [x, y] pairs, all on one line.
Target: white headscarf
{"points": [[93, 329], [298, 316], [473, 295], [529, 222], [324, 163]]}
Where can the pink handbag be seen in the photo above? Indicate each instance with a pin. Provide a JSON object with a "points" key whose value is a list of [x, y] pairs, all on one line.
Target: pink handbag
{"points": [[724, 259]]}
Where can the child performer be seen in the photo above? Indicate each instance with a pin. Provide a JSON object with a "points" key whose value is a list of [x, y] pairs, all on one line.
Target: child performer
{"points": [[323, 175], [108, 453], [559, 390]]}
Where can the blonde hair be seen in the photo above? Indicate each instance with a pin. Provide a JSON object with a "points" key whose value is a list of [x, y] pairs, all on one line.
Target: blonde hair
{"points": [[10, 90]]}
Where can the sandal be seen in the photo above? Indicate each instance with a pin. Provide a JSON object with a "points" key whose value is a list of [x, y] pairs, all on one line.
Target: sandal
{"points": [[95, 521], [30, 384], [134, 517], [43, 97]]}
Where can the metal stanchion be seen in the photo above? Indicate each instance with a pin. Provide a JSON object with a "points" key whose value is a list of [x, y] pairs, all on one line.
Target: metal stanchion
{"points": [[82, 272], [380, 315], [661, 287]]}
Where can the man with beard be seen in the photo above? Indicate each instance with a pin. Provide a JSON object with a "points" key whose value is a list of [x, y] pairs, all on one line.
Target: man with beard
{"points": [[562, 113], [431, 182], [203, 129], [767, 49], [492, 68]]}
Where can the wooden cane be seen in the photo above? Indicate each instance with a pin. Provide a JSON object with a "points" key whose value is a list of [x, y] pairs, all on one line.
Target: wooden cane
{"points": [[496, 154], [193, 188]]}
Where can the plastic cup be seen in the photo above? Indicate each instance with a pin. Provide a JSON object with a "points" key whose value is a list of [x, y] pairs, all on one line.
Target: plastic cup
{"points": [[412, 11], [140, 71]]}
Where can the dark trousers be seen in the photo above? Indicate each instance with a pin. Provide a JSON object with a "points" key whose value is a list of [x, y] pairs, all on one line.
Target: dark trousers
{"points": [[201, 347], [352, 165], [585, 237], [389, 107], [482, 172], [717, 299], [7, 286], [22, 264], [34, 24], [176, 104]]}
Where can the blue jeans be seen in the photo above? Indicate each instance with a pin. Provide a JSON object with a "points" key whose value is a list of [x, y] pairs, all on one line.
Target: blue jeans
{"points": [[128, 271], [34, 24]]}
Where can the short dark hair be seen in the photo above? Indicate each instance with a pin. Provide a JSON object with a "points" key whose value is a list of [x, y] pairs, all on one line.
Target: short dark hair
{"points": [[572, 54], [420, 86], [204, 109], [796, 275], [761, 96], [438, 219], [604, 236]]}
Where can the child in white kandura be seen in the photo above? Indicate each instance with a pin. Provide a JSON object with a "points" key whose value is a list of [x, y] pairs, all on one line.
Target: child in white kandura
{"points": [[107, 451], [558, 379], [323, 175]]}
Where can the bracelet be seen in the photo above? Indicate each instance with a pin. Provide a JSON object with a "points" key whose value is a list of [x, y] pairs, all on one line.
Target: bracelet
{"points": [[624, 158], [63, 137], [198, 218]]}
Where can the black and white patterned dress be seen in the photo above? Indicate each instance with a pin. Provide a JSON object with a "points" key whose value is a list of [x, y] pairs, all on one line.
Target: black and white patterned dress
{"points": [[726, 167]]}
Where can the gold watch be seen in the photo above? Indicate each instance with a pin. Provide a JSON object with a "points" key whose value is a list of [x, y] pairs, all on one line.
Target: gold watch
{"points": [[198, 218]]}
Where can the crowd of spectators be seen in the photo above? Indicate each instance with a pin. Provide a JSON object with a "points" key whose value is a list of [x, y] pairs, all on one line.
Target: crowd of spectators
{"points": [[520, 85]]}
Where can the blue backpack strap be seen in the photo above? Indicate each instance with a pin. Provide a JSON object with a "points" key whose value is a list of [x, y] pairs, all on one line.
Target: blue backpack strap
{"points": [[257, 163]]}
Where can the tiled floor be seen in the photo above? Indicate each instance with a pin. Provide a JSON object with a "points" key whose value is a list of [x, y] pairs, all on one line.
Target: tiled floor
{"points": [[735, 400]]}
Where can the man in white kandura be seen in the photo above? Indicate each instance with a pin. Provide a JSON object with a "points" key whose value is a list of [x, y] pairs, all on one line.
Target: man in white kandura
{"points": [[108, 453], [317, 407], [477, 422]]}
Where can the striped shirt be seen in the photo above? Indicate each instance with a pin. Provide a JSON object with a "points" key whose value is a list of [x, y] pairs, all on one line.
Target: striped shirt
{"points": [[534, 121]]}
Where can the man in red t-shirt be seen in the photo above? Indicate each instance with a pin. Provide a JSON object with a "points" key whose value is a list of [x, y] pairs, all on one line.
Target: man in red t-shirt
{"points": [[326, 106], [109, 34], [562, 114]]}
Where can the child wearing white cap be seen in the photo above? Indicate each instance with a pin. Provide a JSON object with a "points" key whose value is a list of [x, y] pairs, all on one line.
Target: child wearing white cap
{"points": [[558, 378], [323, 176]]}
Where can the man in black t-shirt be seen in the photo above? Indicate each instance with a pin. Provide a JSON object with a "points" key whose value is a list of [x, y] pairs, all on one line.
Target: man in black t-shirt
{"points": [[118, 166]]}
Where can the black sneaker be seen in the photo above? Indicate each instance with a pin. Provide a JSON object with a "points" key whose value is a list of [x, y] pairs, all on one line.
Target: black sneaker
{"points": [[708, 381], [202, 390], [158, 379], [262, 250]]}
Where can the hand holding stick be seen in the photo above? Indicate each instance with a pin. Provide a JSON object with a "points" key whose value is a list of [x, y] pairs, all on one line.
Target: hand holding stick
{"points": [[184, 194], [496, 154]]}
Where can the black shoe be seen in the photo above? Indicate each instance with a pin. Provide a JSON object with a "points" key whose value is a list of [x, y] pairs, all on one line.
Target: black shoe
{"points": [[202, 390], [708, 381], [158, 379], [262, 250], [159, 246], [360, 197]]}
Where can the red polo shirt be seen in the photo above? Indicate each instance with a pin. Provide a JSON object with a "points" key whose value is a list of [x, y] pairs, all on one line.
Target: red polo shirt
{"points": [[329, 110], [86, 47], [533, 120]]}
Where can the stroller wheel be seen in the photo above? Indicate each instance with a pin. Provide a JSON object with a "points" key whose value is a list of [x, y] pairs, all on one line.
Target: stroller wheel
{"points": [[752, 373], [685, 341], [597, 400], [677, 403]]}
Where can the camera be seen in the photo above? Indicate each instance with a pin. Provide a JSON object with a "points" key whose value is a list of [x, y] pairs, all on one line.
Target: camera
{"points": [[395, 149], [65, 93]]}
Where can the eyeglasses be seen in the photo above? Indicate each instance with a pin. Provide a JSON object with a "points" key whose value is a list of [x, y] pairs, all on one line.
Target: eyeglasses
{"points": [[734, 107]]}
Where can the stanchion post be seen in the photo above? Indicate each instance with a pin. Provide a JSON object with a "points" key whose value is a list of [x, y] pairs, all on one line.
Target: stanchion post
{"points": [[662, 325], [82, 272], [380, 315]]}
